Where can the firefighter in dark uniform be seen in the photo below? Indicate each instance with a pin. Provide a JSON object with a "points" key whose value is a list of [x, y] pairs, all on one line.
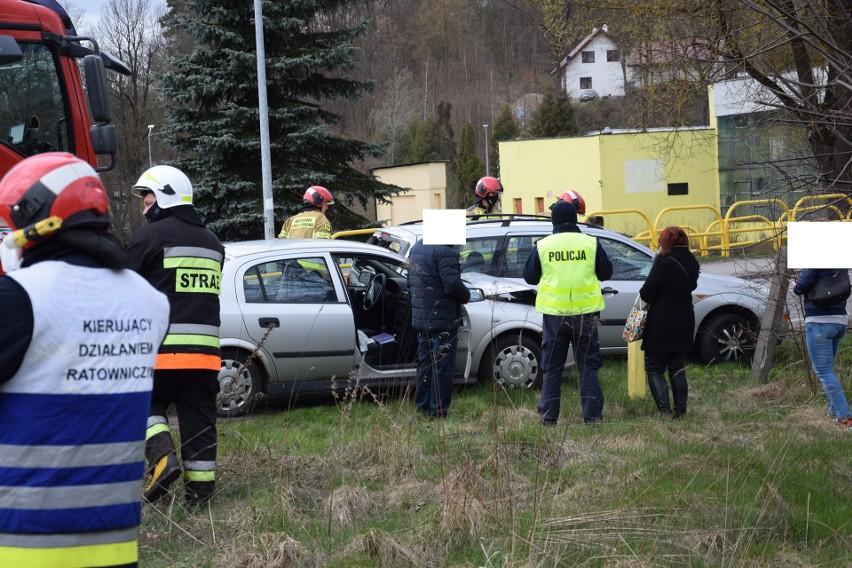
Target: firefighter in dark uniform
{"points": [[487, 191], [180, 257], [567, 266], [310, 222]]}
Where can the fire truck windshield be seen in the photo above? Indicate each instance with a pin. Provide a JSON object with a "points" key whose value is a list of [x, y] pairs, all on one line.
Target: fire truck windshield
{"points": [[32, 113]]}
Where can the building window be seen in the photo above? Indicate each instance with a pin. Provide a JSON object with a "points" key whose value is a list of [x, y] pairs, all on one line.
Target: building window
{"points": [[539, 204], [585, 82], [519, 205], [678, 188], [612, 56], [588, 56]]}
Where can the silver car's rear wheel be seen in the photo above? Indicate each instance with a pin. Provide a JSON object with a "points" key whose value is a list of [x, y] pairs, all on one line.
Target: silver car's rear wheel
{"points": [[513, 361], [239, 384]]}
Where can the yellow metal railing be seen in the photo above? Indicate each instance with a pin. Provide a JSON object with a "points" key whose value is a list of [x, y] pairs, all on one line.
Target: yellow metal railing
{"points": [[722, 228]]}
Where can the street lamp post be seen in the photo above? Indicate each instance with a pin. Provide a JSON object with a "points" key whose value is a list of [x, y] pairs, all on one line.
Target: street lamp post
{"points": [[150, 159], [487, 165]]}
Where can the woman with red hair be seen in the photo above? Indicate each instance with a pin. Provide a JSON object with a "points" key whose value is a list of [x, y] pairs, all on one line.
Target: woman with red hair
{"points": [[669, 329]]}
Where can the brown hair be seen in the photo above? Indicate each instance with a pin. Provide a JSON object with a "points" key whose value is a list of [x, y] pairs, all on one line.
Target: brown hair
{"points": [[672, 237]]}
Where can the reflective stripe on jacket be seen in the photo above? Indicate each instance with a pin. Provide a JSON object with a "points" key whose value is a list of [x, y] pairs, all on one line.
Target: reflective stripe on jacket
{"points": [[73, 424], [306, 225], [184, 261], [568, 284]]}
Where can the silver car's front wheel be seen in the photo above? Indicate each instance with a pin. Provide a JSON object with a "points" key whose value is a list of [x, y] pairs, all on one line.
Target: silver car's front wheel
{"points": [[239, 384], [728, 337], [513, 361]]}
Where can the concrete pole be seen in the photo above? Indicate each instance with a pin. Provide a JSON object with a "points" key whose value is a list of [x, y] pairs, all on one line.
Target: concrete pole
{"points": [[263, 110]]}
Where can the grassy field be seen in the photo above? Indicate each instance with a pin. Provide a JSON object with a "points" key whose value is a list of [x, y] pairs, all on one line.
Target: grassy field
{"points": [[756, 475]]}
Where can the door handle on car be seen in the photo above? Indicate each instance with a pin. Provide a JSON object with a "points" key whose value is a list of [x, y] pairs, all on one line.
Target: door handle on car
{"points": [[609, 291], [266, 322]]}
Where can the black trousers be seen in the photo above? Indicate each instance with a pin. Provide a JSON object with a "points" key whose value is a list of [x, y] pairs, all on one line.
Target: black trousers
{"points": [[656, 365], [193, 393]]}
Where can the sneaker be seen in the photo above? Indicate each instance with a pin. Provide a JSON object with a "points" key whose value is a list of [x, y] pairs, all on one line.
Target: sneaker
{"points": [[845, 423], [166, 472]]}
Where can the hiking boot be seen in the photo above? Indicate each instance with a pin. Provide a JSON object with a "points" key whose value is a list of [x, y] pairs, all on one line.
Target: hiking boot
{"points": [[845, 423], [166, 472]]}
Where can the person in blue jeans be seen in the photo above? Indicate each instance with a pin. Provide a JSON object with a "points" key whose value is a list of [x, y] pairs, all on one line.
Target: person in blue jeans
{"points": [[825, 326], [437, 293], [568, 267]]}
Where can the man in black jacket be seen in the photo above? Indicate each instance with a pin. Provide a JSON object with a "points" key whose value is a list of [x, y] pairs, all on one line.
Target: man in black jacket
{"points": [[437, 292]]}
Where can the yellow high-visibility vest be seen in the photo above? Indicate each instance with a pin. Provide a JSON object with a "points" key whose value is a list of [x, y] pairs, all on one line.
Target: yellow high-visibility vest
{"points": [[568, 285]]}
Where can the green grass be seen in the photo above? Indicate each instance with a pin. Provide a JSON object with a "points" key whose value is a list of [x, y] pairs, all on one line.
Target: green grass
{"points": [[754, 476]]}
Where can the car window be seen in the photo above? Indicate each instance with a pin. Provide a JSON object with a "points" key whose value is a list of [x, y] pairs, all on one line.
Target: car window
{"points": [[293, 280], [478, 255], [389, 242], [357, 271], [518, 250], [628, 263]]}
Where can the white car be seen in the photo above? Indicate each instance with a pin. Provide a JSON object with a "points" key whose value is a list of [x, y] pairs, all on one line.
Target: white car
{"points": [[312, 315], [727, 309]]}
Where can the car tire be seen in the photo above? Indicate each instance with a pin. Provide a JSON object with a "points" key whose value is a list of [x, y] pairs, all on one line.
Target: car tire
{"points": [[513, 360], [726, 337], [239, 384]]}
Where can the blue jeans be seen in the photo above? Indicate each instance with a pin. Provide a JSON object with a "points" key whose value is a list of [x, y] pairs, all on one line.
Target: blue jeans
{"points": [[823, 340], [436, 367], [560, 333]]}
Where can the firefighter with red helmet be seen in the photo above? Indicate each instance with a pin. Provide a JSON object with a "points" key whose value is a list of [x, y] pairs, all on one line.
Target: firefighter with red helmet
{"points": [[182, 258], [488, 191], [310, 222], [77, 347], [575, 199]]}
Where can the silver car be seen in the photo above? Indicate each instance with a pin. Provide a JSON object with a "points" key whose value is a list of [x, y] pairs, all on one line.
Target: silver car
{"points": [[312, 315], [727, 310]]}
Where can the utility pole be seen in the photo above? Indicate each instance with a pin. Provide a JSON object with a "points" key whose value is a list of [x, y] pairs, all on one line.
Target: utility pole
{"points": [[263, 110], [150, 159], [487, 164]]}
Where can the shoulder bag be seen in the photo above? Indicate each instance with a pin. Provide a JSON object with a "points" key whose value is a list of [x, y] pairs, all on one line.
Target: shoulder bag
{"points": [[635, 324], [830, 290]]}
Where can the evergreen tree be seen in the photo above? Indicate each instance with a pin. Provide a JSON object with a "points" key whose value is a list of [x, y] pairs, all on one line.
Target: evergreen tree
{"points": [[470, 167], [213, 107], [505, 128], [554, 116]]}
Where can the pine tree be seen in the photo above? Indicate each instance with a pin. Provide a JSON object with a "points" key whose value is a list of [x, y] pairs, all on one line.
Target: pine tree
{"points": [[505, 128], [212, 101], [554, 116], [470, 167]]}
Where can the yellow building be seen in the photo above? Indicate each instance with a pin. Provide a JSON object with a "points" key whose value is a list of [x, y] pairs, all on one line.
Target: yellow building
{"points": [[427, 189], [615, 170]]}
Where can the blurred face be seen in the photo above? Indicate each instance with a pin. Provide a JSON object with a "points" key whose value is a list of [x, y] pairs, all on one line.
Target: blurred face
{"points": [[324, 207], [147, 201]]}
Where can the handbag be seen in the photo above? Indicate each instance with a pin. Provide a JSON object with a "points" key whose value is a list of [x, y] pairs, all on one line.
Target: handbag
{"points": [[635, 324], [830, 290]]}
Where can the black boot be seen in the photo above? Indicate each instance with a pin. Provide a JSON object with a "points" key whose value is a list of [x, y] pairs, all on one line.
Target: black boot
{"points": [[660, 391], [680, 391]]}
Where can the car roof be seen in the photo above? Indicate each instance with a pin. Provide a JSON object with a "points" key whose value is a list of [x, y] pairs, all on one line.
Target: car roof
{"points": [[244, 248]]}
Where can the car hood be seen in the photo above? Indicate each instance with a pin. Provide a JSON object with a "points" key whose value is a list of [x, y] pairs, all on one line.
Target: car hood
{"points": [[730, 289], [501, 289]]}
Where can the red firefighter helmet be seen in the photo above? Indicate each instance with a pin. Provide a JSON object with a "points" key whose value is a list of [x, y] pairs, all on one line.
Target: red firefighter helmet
{"points": [[574, 199], [488, 185], [50, 191], [319, 196]]}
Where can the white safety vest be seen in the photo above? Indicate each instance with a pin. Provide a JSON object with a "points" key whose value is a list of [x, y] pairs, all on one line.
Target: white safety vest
{"points": [[77, 412]]}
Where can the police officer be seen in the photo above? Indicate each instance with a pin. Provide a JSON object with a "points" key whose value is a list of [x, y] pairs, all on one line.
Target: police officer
{"points": [[77, 347], [310, 222], [487, 191], [182, 258], [567, 267]]}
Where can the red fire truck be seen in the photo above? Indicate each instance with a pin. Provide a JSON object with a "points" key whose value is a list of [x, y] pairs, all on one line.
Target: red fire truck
{"points": [[43, 106]]}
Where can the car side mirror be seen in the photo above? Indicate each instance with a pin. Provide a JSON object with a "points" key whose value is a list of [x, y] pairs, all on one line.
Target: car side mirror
{"points": [[476, 295]]}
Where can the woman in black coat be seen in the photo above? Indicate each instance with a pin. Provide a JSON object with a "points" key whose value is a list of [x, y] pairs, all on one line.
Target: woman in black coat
{"points": [[669, 329]]}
